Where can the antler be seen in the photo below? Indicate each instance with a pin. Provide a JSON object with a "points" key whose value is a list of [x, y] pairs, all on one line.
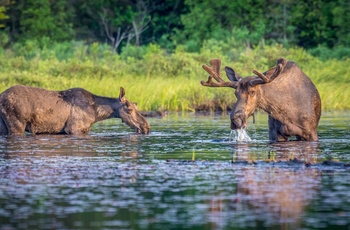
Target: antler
{"points": [[214, 71], [281, 62]]}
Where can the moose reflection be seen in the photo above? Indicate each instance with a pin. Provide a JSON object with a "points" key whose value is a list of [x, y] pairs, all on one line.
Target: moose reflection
{"points": [[284, 92], [276, 195], [282, 152], [270, 195]]}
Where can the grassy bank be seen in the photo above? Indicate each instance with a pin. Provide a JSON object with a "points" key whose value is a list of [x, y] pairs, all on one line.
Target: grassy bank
{"points": [[158, 80]]}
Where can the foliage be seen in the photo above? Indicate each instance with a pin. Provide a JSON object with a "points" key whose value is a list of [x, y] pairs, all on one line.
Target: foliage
{"points": [[49, 21], [2, 15], [160, 80], [324, 53], [187, 23], [310, 33], [3, 8], [215, 19]]}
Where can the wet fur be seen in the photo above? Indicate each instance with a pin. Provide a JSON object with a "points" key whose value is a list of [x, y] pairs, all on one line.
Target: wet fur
{"points": [[291, 100], [72, 111]]}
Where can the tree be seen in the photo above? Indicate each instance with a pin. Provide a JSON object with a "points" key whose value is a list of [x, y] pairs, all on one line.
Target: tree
{"points": [[142, 18], [166, 20], [216, 19], [3, 13], [41, 18], [113, 27], [279, 27], [37, 20], [340, 11], [63, 16], [307, 23], [313, 22], [108, 19], [119, 20]]}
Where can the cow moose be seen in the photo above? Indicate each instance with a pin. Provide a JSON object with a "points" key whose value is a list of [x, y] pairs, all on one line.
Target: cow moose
{"points": [[288, 96], [72, 111]]}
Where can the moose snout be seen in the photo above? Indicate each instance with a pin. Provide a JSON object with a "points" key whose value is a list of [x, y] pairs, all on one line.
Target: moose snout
{"points": [[238, 120], [144, 128], [236, 124]]}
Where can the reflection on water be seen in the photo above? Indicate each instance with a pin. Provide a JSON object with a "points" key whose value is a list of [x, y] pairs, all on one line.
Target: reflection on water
{"points": [[307, 152], [278, 195], [112, 179]]}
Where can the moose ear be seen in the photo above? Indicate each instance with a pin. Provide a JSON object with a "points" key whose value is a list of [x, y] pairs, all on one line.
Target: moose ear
{"points": [[232, 75], [121, 94]]}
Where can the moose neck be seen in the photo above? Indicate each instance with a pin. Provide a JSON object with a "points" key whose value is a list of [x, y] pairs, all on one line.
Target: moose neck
{"points": [[106, 108], [275, 102]]}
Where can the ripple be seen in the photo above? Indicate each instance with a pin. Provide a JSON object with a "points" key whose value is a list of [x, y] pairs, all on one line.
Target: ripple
{"points": [[185, 174]]}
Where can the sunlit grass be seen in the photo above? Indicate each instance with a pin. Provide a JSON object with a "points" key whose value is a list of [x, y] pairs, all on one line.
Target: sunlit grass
{"points": [[162, 81], [334, 95]]}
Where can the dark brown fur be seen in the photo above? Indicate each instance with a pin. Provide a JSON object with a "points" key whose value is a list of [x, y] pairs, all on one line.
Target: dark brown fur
{"points": [[72, 111]]}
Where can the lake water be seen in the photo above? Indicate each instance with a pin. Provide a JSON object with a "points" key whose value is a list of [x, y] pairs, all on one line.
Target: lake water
{"points": [[186, 174]]}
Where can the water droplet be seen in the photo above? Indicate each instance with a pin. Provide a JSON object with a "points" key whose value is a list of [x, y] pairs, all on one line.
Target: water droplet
{"points": [[239, 135]]}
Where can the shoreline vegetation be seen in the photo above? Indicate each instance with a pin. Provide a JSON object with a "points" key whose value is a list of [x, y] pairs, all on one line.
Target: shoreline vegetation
{"points": [[159, 80]]}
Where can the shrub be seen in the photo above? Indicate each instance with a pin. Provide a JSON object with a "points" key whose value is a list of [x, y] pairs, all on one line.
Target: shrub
{"points": [[159, 79]]}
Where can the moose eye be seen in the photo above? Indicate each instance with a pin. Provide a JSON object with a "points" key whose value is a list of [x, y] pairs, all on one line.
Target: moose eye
{"points": [[252, 93], [128, 110], [128, 104]]}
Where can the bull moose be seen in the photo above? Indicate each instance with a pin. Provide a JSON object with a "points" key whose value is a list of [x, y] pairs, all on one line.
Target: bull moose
{"points": [[288, 96], [72, 111]]}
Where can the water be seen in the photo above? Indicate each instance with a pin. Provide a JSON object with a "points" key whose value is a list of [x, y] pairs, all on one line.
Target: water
{"points": [[186, 174], [239, 135]]}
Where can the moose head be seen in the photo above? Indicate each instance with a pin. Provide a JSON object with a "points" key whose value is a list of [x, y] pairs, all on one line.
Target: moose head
{"points": [[130, 115], [292, 102]]}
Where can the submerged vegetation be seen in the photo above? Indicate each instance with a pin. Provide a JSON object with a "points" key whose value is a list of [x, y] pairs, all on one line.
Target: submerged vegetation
{"points": [[161, 80]]}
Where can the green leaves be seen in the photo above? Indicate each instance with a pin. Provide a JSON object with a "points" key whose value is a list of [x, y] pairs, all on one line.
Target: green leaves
{"points": [[2, 15], [40, 18], [173, 23]]}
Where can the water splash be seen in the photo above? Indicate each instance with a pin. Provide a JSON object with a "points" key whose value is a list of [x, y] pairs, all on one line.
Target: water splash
{"points": [[239, 135]]}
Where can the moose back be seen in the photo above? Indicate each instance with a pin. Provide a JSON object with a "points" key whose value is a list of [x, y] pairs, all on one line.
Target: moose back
{"points": [[72, 111]]}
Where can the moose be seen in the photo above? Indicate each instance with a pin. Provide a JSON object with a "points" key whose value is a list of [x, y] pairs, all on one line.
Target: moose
{"points": [[288, 96], [73, 111]]}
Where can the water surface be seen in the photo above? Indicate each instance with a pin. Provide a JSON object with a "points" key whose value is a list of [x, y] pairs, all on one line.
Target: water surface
{"points": [[186, 174]]}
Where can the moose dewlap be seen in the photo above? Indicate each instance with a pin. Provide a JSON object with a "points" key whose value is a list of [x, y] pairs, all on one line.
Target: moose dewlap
{"points": [[72, 111], [288, 96]]}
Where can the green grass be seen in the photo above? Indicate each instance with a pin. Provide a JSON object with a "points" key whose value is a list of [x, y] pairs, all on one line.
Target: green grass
{"points": [[158, 80]]}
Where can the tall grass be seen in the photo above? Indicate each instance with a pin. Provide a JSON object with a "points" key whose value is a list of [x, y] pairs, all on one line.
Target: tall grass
{"points": [[159, 80]]}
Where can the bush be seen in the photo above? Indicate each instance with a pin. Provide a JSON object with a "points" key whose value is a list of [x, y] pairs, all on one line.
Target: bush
{"points": [[158, 79], [325, 53]]}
